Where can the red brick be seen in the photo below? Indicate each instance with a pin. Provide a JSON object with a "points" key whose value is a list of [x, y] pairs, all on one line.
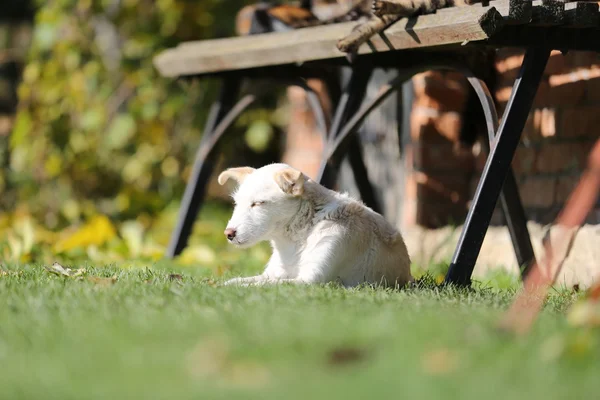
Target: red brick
{"points": [[434, 215], [557, 63], [577, 122], [524, 161], [541, 123], [502, 95], [441, 199], [561, 157], [592, 91], [567, 94], [441, 157], [537, 192], [564, 187], [579, 59], [410, 190], [509, 60], [303, 147], [442, 188], [432, 127], [504, 84], [480, 155], [435, 91]]}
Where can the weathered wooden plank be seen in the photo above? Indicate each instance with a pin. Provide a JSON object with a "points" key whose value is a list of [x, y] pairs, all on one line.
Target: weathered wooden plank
{"points": [[548, 12], [582, 15], [319, 43]]}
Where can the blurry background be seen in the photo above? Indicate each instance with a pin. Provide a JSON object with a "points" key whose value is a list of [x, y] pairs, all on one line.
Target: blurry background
{"points": [[89, 133], [96, 147]]}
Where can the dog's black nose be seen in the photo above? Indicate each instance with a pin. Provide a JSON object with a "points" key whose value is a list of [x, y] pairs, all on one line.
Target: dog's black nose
{"points": [[230, 233]]}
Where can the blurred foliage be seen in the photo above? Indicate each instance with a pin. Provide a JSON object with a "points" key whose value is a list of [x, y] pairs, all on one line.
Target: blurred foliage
{"points": [[127, 243], [98, 130], [101, 144]]}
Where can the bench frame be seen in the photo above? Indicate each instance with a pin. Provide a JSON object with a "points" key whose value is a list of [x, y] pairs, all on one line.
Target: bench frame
{"points": [[497, 181]]}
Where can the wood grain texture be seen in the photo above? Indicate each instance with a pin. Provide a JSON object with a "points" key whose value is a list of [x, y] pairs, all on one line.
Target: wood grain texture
{"points": [[319, 43]]}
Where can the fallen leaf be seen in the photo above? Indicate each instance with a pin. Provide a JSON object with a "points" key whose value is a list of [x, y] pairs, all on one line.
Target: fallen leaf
{"points": [[595, 292], [58, 269], [97, 231], [173, 277], [221, 269], [345, 355], [133, 232], [102, 281], [586, 313], [208, 358], [212, 360], [198, 254], [440, 361], [581, 344]]}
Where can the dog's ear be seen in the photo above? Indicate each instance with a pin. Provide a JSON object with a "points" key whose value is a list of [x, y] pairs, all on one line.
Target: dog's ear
{"points": [[290, 181], [237, 174]]}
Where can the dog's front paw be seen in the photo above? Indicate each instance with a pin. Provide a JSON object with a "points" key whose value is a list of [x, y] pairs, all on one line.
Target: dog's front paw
{"points": [[234, 281], [243, 281]]}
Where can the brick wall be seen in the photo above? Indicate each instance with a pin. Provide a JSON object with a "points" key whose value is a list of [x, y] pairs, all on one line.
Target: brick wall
{"points": [[441, 175], [561, 129], [439, 171]]}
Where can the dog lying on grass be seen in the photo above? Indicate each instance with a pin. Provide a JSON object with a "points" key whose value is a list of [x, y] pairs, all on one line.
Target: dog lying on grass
{"points": [[317, 235]]}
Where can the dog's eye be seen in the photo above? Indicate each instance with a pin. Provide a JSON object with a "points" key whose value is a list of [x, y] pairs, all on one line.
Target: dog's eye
{"points": [[257, 203]]}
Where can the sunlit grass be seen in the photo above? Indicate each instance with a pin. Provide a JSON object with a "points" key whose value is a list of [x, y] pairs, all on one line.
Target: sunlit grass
{"points": [[168, 331]]}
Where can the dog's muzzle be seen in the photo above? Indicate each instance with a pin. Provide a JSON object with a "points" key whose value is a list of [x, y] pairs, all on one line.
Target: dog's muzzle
{"points": [[230, 233]]}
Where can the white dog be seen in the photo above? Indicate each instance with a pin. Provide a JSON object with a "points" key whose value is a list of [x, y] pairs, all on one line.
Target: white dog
{"points": [[317, 235]]}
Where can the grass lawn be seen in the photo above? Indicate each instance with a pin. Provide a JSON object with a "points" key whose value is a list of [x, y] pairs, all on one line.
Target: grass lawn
{"points": [[152, 335], [169, 331]]}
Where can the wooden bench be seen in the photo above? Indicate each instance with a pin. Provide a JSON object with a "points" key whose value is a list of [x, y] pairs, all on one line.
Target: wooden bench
{"points": [[451, 39]]}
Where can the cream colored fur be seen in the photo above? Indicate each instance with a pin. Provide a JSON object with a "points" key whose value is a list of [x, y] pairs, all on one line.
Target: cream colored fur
{"points": [[317, 235]]}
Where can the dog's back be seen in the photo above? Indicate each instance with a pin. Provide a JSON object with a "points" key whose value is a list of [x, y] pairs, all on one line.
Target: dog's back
{"points": [[371, 249]]}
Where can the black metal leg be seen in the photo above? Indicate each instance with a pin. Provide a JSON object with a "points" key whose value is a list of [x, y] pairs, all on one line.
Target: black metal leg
{"points": [[204, 164], [516, 220], [497, 166], [347, 106], [361, 177], [510, 200]]}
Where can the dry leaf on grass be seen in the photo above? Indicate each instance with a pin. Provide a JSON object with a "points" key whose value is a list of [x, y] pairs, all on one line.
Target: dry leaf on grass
{"points": [[579, 343], [96, 232], [58, 269], [102, 281], [211, 360], [586, 313], [345, 355], [440, 361]]}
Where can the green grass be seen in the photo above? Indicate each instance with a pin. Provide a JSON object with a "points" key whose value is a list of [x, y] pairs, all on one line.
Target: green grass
{"points": [[151, 337]]}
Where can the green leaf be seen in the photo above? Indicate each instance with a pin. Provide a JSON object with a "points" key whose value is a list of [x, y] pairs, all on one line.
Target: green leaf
{"points": [[21, 129], [259, 135], [120, 131]]}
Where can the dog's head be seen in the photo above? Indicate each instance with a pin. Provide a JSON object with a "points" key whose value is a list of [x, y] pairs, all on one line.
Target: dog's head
{"points": [[265, 200]]}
